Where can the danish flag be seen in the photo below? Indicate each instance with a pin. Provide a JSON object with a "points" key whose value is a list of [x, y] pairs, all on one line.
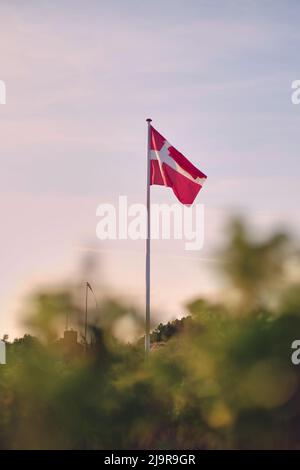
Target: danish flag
{"points": [[168, 167]]}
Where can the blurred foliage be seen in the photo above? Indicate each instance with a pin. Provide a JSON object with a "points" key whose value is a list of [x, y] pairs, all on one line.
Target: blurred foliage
{"points": [[254, 267], [213, 379]]}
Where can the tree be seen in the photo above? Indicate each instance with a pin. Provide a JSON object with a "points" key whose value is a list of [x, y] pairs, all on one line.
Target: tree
{"points": [[252, 266]]}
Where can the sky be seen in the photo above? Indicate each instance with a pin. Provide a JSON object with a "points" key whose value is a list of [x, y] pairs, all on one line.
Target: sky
{"points": [[82, 77]]}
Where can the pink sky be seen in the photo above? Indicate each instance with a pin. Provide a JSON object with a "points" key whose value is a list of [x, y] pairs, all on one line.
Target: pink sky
{"points": [[80, 82]]}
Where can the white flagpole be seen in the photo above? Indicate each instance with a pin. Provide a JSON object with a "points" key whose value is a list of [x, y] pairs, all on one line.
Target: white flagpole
{"points": [[86, 314], [147, 323]]}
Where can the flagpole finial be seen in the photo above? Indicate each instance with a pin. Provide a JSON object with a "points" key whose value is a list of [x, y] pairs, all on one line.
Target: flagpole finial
{"points": [[149, 120]]}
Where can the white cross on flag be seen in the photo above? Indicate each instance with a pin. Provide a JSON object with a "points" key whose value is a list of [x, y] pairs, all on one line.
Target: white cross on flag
{"points": [[170, 168]]}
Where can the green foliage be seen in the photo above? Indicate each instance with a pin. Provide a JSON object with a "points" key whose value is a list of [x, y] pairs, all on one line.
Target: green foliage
{"points": [[165, 332], [212, 382], [217, 380], [252, 266]]}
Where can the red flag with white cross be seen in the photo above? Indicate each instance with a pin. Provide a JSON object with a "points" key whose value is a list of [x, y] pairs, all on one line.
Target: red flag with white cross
{"points": [[168, 167]]}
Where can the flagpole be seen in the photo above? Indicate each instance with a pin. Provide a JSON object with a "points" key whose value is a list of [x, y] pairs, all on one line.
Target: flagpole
{"points": [[147, 323], [86, 313]]}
